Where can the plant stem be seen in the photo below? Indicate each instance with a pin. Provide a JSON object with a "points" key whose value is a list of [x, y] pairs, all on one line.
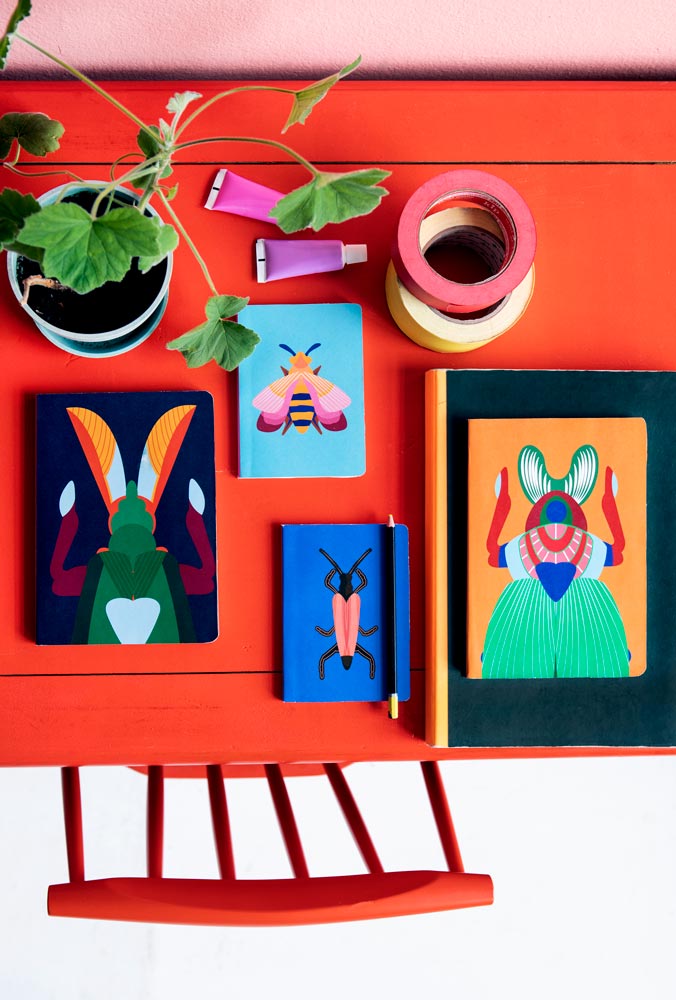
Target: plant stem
{"points": [[14, 159], [90, 83], [120, 160], [227, 93], [127, 176], [263, 142], [42, 173], [195, 252], [145, 198]]}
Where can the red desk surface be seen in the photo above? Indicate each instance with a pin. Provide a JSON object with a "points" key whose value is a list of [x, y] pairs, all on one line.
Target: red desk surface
{"points": [[593, 161]]}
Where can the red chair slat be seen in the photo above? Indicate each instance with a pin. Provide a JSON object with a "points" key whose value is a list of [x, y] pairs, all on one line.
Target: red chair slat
{"points": [[358, 827], [442, 814], [220, 821], [72, 814], [287, 820], [155, 821], [269, 902]]}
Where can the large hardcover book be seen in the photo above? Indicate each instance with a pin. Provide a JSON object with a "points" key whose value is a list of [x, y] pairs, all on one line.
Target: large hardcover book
{"points": [[550, 564]]}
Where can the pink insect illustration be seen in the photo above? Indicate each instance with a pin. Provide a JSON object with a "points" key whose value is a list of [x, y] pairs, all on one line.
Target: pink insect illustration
{"points": [[301, 397], [556, 617], [345, 605]]}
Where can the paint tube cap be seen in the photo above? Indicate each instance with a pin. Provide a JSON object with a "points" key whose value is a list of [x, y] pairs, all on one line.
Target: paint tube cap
{"points": [[355, 253]]}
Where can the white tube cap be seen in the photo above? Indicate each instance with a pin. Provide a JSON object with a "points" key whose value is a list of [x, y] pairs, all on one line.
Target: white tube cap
{"points": [[215, 188], [261, 262], [355, 253]]}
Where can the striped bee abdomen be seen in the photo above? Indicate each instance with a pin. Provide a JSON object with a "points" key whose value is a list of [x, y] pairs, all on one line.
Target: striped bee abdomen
{"points": [[301, 408]]}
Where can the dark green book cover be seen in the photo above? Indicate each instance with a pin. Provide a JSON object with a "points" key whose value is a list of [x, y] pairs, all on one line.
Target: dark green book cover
{"points": [[586, 711]]}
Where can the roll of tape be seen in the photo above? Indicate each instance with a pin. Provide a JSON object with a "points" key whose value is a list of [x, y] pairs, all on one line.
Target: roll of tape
{"points": [[479, 190], [439, 331]]}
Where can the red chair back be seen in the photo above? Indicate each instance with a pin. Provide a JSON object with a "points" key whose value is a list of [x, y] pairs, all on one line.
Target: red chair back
{"points": [[258, 902]]}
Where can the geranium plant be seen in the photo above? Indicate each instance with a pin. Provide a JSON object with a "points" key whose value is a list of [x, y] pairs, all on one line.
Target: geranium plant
{"points": [[82, 249]]}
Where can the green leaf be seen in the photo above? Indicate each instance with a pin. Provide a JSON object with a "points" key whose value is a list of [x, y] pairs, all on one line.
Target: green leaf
{"points": [[24, 250], [167, 241], [83, 253], [220, 339], [21, 11], [304, 100], [330, 197], [35, 132], [150, 147], [179, 102], [14, 210]]}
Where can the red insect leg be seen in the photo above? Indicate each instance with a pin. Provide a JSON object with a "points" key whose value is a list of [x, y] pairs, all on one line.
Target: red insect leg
{"points": [[66, 582], [500, 513], [198, 579], [613, 518]]}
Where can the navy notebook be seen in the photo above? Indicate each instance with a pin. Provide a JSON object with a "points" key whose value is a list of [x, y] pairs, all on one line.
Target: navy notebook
{"points": [[126, 531]]}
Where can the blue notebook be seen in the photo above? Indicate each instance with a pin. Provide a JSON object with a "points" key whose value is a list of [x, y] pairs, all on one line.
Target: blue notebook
{"points": [[338, 605], [301, 393], [126, 521]]}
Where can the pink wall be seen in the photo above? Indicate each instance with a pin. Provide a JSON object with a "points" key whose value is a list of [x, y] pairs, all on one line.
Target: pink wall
{"points": [[397, 38]]}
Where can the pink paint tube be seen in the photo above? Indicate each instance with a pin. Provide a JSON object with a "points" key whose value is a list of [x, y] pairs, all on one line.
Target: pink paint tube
{"points": [[235, 194], [292, 258]]}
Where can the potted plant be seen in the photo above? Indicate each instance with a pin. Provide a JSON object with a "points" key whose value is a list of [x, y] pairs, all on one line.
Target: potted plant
{"points": [[105, 321], [80, 241]]}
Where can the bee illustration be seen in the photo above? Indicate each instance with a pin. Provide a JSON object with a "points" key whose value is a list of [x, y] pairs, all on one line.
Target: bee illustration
{"points": [[301, 398]]}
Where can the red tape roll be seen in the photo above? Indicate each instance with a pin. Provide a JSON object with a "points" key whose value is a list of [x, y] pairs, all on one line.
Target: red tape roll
{"points": [[482, 190]]}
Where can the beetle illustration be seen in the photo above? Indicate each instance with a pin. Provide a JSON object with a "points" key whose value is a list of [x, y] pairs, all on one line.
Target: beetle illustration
{"points": [[132, 591], [301, 398], [346, 604], [556, 618]]}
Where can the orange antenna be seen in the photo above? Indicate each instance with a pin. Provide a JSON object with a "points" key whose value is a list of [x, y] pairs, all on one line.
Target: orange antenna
{"points": [[160, 452], [102, 453]]}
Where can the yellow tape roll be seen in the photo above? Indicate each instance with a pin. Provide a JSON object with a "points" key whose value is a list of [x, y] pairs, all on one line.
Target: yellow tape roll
{"points": [[439, 331]]}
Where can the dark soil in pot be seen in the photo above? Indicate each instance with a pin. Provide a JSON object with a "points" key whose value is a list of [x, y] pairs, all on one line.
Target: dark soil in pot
{"points": [[109, 307]]}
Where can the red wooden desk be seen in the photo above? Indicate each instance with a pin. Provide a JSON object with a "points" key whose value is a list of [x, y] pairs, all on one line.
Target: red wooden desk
{"points": [[593, 161]]}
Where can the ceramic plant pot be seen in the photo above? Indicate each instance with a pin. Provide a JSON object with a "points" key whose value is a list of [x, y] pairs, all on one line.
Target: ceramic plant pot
{"points": [[108, 321]]}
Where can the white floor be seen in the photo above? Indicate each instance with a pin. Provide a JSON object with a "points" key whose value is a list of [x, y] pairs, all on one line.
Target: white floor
{"points": [[582, 853]]}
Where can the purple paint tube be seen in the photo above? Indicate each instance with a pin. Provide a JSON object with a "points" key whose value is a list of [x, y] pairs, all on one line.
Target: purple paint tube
{"points": [[292, 258], [235, 194]]}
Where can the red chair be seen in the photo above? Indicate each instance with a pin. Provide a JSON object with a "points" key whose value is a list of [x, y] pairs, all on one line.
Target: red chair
{"points": [[259, 902]]}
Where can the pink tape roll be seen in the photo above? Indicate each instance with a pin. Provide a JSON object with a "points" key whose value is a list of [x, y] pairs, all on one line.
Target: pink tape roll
{"points": [[482, 190]]}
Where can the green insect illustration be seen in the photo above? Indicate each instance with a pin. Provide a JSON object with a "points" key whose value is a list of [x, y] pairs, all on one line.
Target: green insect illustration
{"points": [[132, 591]]}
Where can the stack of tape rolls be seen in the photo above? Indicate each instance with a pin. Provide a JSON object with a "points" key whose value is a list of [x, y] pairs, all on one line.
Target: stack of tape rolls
{"points": [[462, 209]]}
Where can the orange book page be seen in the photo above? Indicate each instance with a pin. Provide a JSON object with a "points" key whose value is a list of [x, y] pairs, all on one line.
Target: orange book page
{"points": [[495, 445]]}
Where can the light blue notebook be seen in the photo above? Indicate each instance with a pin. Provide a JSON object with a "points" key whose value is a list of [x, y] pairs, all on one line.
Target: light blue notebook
{"points": [[301, 393]]}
